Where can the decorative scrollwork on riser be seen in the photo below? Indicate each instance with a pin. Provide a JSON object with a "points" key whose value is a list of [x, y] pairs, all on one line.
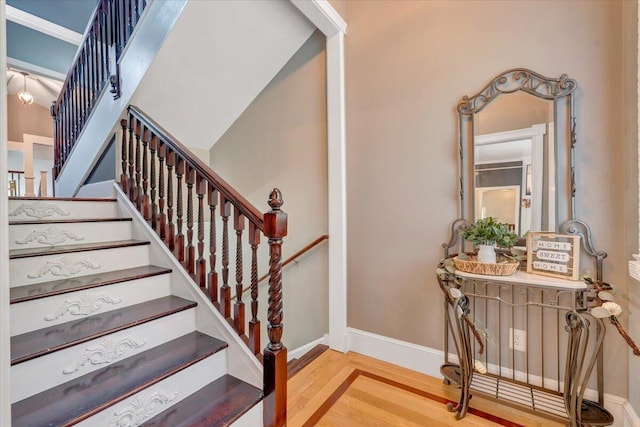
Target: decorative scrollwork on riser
{"points": [[141, 409], [50, 236], [106, 352], [38, 209], [65, 266], [83, 305]]}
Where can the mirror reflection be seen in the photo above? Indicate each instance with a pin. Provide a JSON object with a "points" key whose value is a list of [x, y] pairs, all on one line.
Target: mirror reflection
{"points": [[514, 162]]}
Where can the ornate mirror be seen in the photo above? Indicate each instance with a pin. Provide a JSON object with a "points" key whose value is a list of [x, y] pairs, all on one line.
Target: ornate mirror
{"points": [[516, 151]]}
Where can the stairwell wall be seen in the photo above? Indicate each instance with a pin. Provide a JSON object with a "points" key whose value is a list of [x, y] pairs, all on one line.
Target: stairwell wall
{"points": [[407, 66], [5, 407], [631, 43], [280, 141]]}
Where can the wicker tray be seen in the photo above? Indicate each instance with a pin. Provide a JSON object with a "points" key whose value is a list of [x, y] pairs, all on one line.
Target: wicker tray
{"points": [[473, 266]]}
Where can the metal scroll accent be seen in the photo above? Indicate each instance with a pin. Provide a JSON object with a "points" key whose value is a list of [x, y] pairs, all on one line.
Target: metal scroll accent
{"points": [[580, 228], [518, 79], [454, 237]]}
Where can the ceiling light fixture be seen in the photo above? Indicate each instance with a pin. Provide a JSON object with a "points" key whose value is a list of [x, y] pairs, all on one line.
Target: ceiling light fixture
{"points": [[24, 96]]}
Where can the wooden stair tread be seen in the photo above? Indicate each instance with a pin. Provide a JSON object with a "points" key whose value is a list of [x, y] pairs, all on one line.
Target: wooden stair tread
{"points": [[219, 403], [64, 249], [296, 365], [47, 340], [87, 395], [63, 286], [66, 221]]}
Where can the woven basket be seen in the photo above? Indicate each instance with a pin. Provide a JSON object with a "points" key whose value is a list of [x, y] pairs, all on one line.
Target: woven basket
{"points": [[473, 266]]}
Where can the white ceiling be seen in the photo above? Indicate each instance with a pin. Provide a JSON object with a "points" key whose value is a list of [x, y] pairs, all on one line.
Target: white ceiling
{"points": [[43, 89]]}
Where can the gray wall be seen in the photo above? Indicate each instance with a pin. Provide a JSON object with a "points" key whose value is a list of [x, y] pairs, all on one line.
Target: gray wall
{"points": [[280, 141], [630, 201], [408, 64]]}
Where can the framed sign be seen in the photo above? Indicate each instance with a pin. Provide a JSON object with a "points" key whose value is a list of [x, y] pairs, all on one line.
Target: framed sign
{"points": [[555, 255]]}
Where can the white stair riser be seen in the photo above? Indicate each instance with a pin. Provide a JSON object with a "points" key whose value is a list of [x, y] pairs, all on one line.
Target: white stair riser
{"points": [[168, 392], [252, 418], [49, 369], [25, 236], [44, 312], [30, 270], [59, 209]]}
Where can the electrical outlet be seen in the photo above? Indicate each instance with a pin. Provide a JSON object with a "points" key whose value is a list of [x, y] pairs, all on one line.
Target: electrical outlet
{"points": [[517, 339]]}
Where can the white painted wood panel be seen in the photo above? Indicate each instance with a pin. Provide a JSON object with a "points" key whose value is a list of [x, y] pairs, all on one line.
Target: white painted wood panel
{"points": [[251, 418], [50, 370], [175, 388], [45, 312], [24, 236], [40, 269]]}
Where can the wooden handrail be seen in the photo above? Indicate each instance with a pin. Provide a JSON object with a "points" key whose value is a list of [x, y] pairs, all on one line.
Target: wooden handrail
{"points": [[297, 255], [153, 164], [15, 171], [247, 209], [292, 258], [94, 68]]}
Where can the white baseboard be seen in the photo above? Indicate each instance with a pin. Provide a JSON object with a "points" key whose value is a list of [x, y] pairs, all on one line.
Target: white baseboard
{"points": [[631, 418], [303, 349], [411, 356], [427, 360]]}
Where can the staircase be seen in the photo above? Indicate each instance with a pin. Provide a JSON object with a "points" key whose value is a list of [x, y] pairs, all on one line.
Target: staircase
{"points": [[98, 334]]}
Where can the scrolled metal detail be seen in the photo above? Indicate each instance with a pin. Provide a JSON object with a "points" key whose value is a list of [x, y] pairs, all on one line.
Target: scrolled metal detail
{"points": [[580, 228], [517, 79], [454, 236]]}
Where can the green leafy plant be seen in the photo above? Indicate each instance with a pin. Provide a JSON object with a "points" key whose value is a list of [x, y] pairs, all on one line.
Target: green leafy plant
{"points": [[488, 231]]}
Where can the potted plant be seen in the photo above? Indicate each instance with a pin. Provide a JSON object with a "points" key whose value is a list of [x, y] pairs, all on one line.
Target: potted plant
{"points": [[488, 233]]}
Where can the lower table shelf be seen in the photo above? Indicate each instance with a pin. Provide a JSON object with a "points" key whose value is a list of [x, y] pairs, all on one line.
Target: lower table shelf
{"points": [[542, 402]]}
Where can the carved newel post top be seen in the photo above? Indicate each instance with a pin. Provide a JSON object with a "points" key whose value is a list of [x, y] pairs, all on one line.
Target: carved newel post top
{"points": [[275, 199], [275, 221]]}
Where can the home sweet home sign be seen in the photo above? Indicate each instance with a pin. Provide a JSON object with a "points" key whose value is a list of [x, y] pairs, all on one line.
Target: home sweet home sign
{"points": [[555, 255]]}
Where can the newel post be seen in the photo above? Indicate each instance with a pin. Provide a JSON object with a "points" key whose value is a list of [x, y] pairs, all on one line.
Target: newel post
{"points": [[275, 354]]}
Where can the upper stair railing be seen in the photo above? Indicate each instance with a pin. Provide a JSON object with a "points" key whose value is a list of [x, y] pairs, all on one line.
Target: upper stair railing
{"points": [[156, 172], [94, 68]]}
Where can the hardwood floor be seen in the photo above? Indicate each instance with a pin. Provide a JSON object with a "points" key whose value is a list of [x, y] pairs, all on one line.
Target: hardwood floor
{"points": [[354, 390]]}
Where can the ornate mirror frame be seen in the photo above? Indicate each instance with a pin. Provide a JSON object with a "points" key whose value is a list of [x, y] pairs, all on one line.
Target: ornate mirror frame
{"points": [[561, 92]]}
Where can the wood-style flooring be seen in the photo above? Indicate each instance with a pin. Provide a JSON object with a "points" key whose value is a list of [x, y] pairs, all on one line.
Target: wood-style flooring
{"points": [[350, 389]]}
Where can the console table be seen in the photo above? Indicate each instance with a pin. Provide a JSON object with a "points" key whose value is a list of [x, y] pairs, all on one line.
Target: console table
{"points": [[539, 352]]}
